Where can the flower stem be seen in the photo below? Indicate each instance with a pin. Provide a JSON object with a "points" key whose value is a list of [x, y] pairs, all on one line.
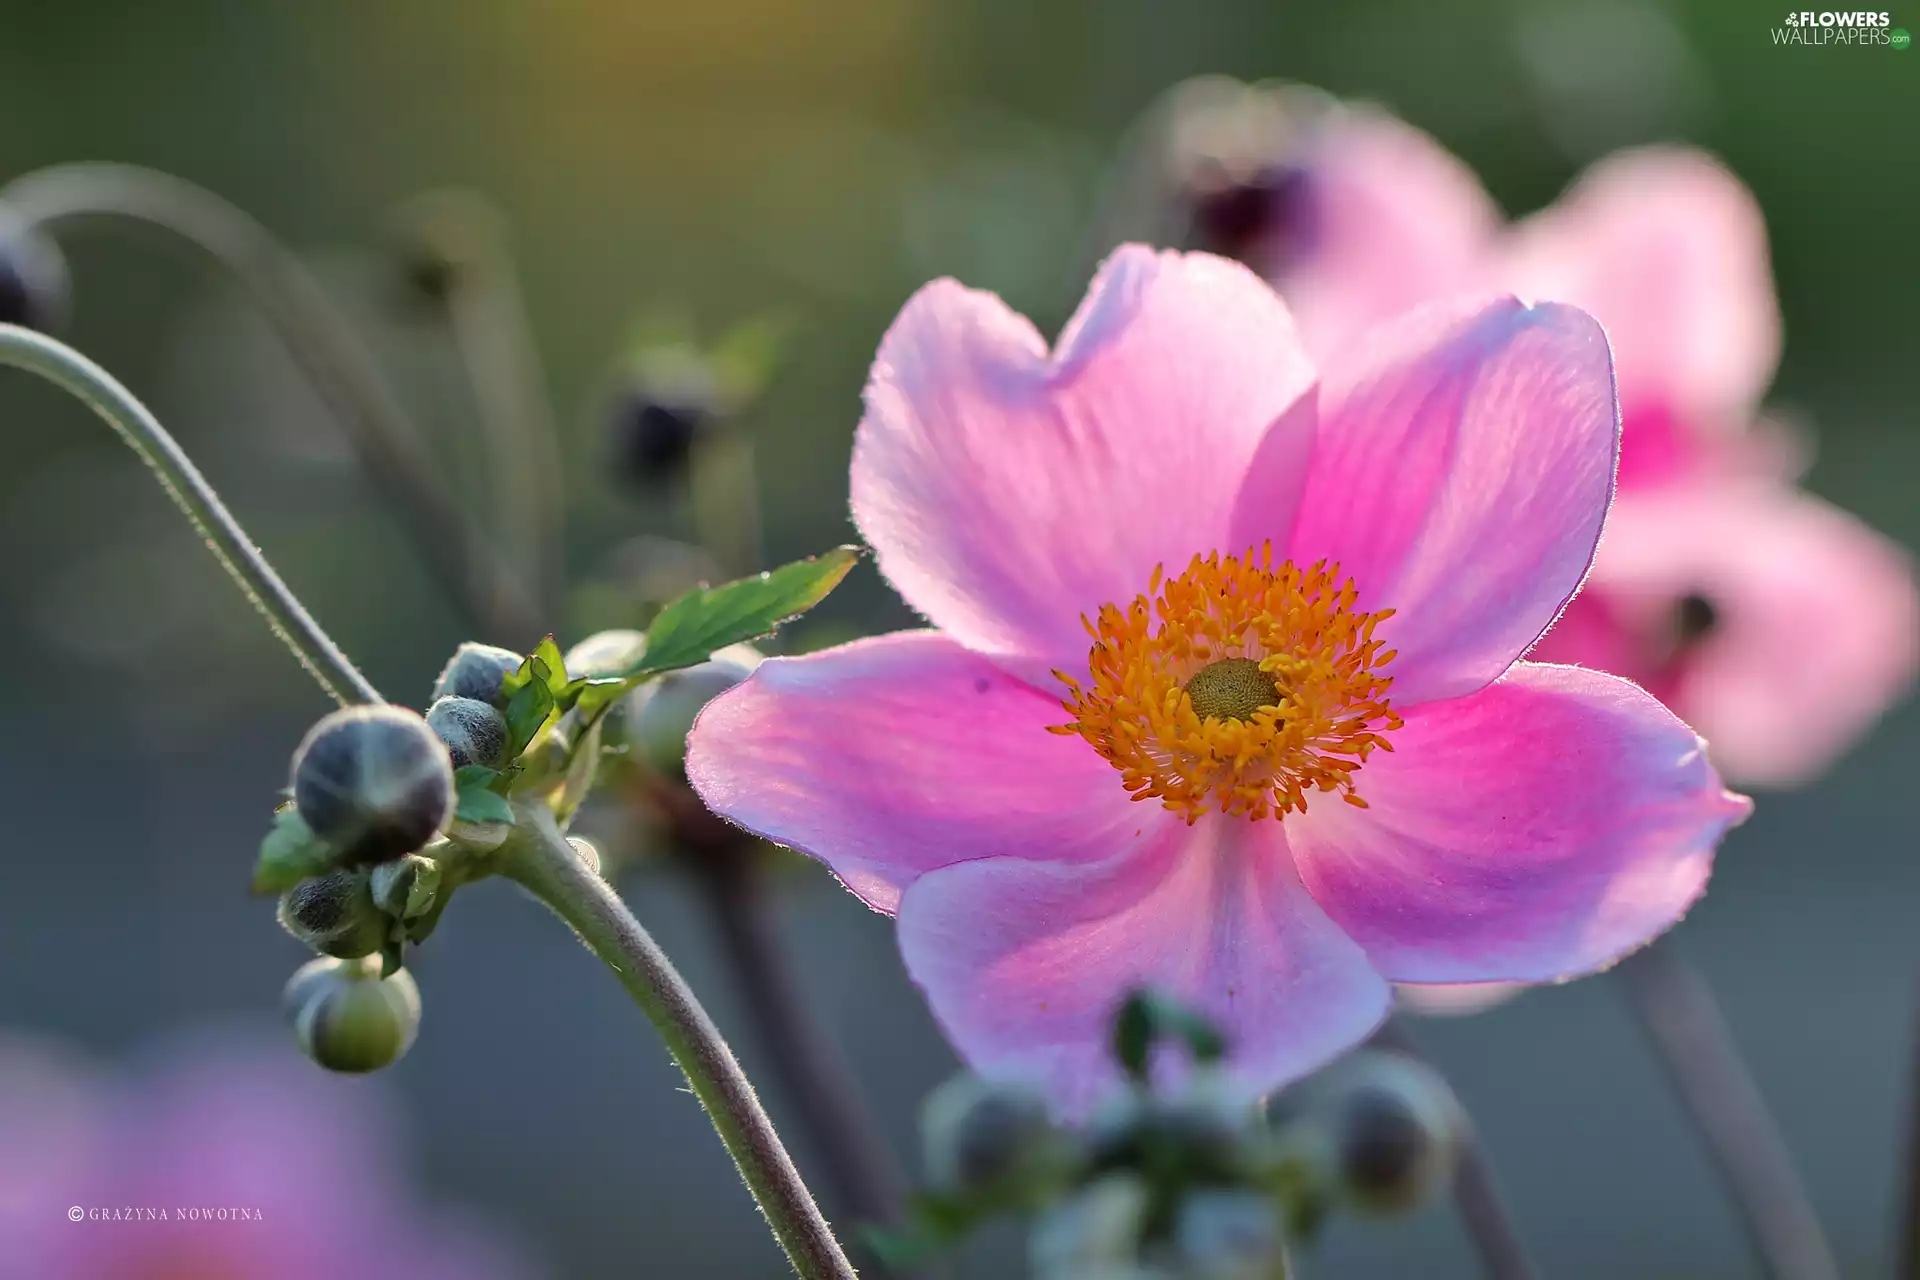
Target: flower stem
{"points": [[325, 347], [285, 615], [539, 858], [1476, 1196], [1684, 1025]]}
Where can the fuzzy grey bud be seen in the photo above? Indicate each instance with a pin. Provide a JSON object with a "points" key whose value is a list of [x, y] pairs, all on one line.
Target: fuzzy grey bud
{"points": [[1226, 1234], [374, 782], [661, 714], [475, 732], [476, 671], [348, 1018], [335, 914], [977, 1133], [1098, 1227], [1397, 1130]]}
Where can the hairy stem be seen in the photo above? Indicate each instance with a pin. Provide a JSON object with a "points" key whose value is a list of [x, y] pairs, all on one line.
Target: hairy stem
{"points": [[285, 615], [1684, 1025], [539, 858], [325, 347], [1476, 1196]]}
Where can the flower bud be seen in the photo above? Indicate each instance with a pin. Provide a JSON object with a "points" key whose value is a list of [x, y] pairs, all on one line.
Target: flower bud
{"points": [[474, 731], [607, 653], [348, 1018], [406, 887], [1227, 1235], [584, 850], [1397, 1130], [374, 782], [653, 429], [661, 714], [34, 291], [336, 915], [476, 671], [1206, 1129], [977, 1133], [1097, 1227]]}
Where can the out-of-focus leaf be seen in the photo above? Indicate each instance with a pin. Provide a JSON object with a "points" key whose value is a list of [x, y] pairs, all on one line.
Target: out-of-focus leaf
{"points": [[289, 854]]}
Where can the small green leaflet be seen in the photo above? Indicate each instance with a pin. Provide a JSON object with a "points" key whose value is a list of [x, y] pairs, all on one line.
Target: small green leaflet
{"points": [[689, 630], [532, 701], [290, 853], [475, 802]]}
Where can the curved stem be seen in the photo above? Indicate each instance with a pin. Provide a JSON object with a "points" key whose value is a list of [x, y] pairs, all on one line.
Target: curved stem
{"points": [[1908, 1245], [539, 858], [285, 615], [325, 347], [1476, 1196], [1683, 1023], [485, 311]]}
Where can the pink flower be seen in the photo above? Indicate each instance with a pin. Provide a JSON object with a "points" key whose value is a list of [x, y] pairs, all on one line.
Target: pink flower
{"points": [[1344, 573], [224, 1160], [1776, 625]]}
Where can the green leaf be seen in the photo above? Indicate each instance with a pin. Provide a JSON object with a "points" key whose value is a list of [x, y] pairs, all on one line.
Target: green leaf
{"points": [[289, 854], [548, 655], [476, 801], [530, 706], [688, 631]]}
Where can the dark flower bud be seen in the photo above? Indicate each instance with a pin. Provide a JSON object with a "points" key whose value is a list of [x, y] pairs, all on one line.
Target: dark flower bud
{"points": [[374, 782], [474, 731], [476, 671], [1206, 1129], [661, 714], [978, 1133], [346, 1017], [653, 430], [1397, 1130], [336, 915], [34, 291]]}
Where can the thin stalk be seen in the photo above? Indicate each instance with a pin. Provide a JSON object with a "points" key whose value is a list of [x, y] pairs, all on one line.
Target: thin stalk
{"points": [[1908, 1244], [1476, 1195], [487, 316], [1687, 1032], [327, 351], [285, 615], [539, 858]]}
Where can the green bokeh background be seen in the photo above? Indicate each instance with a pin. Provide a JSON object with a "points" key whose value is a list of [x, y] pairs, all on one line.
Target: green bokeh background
{"points": [[819, 161]]}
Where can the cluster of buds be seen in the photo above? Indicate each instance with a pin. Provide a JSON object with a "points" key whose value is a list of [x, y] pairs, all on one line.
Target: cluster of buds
{"points": [[1187, 1180]]}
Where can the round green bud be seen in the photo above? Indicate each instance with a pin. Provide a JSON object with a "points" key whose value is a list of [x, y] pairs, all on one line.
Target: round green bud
{"points": [[661, 714], [476, 671], [1397, 1130], [584, 850], [346, 1017], [405, 887], [374, 782], [977, 1133], [475, 732], [336, 915], [607, 653], [1097, 1227]]}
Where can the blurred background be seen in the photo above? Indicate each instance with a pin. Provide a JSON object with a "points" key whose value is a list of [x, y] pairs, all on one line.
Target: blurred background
{"points": [[817, 162]]}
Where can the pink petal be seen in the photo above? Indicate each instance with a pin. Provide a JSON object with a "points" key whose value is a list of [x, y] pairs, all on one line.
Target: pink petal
{"points": [[1007, 492], [1538, 829], [888, 757], [1395, 221], [1817, 627], [1024, 963], [1669, 252], [1462, 471]]}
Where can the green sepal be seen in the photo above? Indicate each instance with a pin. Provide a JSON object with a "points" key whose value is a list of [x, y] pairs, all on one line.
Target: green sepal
{"points": [[531, 704], [290, 853], [1146, 1017]]}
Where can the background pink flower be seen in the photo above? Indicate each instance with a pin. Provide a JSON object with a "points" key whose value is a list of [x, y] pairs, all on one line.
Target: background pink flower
{"points": [[216, 1122], [1529, 821]]}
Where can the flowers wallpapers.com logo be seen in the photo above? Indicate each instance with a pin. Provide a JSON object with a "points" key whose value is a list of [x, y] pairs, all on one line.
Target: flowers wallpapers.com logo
{"points": [[1854, 28]]}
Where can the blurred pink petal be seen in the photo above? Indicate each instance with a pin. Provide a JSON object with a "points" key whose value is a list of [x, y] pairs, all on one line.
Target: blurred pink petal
{"points": [[1046, 856], [1486, 854], [1007, 491], [1815, 629], [1393, 221], [891, 756], [1025, 962], [1461, 474], [1669, 252]]}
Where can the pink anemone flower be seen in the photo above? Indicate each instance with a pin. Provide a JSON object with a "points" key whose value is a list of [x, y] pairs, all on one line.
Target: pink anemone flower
{"points": [[1223, 693], [1777, 625]]}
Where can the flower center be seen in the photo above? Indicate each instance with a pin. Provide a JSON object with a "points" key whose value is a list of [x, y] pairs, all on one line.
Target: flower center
{"points": [[1236, 685]]}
